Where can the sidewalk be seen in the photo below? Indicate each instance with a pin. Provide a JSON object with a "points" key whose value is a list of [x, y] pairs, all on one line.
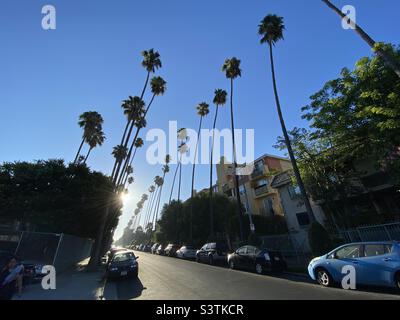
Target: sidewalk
{"points": [[75, 284]]}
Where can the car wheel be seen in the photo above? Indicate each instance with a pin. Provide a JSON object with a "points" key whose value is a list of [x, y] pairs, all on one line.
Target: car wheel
{"points": [[259, 268], [210, 260], [231, 264], [197, 259], [397, 281], [324, 278]]}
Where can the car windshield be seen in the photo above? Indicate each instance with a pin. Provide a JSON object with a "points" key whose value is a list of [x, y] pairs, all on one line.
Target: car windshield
{"points": [[122, 257]]}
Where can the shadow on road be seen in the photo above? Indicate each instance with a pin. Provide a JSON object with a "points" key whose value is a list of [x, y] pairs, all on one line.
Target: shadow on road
{"points": [[128, 289]]}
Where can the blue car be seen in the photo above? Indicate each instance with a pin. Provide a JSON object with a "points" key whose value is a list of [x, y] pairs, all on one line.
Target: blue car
{"points": [[375, 263]]}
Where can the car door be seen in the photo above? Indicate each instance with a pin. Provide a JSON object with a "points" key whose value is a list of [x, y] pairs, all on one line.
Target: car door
{"points": [[377, 265], [249, 258], [240, 257], [345, 256], [203, 252]]}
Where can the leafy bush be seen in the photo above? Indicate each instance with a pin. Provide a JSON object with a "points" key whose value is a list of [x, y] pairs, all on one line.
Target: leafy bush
{"points": [[319, 239]]}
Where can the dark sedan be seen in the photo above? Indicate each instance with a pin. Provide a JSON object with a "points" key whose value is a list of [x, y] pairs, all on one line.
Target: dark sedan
{"points": [[123, 264], [258, 260]]}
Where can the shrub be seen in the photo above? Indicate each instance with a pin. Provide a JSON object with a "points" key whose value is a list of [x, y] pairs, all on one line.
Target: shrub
{"points": [[319, 239]]}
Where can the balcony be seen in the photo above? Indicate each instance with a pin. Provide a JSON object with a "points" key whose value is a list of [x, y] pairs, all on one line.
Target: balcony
{"points": [[261, 191], [257, 173]]}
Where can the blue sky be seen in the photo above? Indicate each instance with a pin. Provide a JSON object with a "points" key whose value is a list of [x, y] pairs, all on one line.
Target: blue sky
{"points": [[92, 62]]}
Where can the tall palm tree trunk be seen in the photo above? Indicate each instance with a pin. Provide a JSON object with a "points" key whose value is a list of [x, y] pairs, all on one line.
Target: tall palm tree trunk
{"points": [[193, 173], [148, 207], [79, 150], [391, 63], [211, 177], [179, 182], [149, 218], [87, 156], [173, 182], [288, 143], [236, 181]]}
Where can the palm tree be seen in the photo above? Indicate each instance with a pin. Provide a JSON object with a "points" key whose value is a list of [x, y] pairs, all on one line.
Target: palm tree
{"points": [[165, 171], [391, 63], [91, 122], [137, 109], [96, 139], [232, 70], [138, 144], [158, 87], [150, 203], [158, 181], [271, 30], [219, 100], [202, 110], [119, 152], [151, 61], [178, 167]]}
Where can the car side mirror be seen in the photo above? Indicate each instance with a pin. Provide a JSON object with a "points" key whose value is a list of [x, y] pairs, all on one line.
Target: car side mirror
{"points": [[137, 257], [332, 256]]}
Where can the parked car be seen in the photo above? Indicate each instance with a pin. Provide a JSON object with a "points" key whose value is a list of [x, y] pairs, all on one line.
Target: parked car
{"points": [[113, 251], [375, 263], [123, 264], [32, 269], [160, 250], [154, 248], [186, 252], [258, 260], [212, 253], [147, 248], [171, 249]]}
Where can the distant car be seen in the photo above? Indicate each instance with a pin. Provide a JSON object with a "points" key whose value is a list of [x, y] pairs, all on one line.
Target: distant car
{"points": [[123, 264], [171, 249], [186, 252], [154, 248], [147, 248], [160, 250], [211, 253], [257, 260], [375, 263]]}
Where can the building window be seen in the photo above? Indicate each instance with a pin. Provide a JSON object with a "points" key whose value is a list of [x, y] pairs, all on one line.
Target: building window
{"points": [[268, 207], [303, 219], [294, 192], [259, 166]]}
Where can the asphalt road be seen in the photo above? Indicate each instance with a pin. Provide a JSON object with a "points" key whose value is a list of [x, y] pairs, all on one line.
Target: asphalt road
{"points": [[164, 278]]}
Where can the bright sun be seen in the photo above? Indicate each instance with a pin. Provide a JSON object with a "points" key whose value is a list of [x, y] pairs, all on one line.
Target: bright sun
{"points": [[124, 197]]}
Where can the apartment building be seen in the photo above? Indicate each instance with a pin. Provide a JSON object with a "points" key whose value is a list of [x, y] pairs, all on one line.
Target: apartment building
{"points": [[257, 195]]}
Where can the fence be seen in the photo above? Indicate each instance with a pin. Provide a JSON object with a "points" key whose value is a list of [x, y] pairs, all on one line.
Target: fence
{"points": [[293, 252], [60, 250], [383, 232]]}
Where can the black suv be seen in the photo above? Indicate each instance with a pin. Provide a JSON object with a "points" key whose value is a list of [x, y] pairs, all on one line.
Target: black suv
{"points": [[215, 252]]}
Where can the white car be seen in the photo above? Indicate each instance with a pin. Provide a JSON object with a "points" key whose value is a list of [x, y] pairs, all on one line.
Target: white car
{"points": [[186, 252]]}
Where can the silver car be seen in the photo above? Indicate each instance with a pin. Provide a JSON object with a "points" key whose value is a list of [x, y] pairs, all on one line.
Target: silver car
{"points": [[186, 252]]}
